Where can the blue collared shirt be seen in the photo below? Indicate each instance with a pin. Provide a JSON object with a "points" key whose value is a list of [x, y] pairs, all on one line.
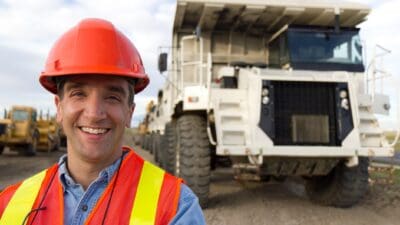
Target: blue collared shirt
{"points": [[78, 203]]}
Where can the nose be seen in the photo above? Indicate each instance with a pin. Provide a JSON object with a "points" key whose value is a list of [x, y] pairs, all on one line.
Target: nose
{"points": [[94, 109]]}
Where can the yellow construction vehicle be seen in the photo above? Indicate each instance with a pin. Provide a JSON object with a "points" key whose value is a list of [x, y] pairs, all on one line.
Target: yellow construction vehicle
{"points": [[19, 131], [49, 132]]}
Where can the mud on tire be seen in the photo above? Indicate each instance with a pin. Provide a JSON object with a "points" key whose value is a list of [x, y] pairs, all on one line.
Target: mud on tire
{"points": [[342, 187], [194, 157]]}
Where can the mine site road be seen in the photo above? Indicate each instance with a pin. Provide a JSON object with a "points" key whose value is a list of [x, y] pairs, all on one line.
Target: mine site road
{"points": [[244, 202]]}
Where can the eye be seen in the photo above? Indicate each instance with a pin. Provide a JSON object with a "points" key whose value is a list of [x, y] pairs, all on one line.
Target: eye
{"points": [[114, 98], [77, 93]]}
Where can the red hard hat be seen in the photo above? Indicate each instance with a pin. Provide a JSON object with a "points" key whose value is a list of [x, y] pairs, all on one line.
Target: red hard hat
{"points": [[94, 46]]}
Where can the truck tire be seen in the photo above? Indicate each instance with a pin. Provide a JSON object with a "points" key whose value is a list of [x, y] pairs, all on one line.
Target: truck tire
{"points": [[150, 144], [194, 155], [143, 141], [342, 187], [146, 142], [55, 144], [63, 142], [32, 147], [156, 147], [168, 151]]}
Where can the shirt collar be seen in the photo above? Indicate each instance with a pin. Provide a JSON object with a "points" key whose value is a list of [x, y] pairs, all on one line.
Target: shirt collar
{"points": [[67, 181]]}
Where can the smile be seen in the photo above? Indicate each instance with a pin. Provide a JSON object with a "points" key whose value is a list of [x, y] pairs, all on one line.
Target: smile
{"points": [[94, 130]]}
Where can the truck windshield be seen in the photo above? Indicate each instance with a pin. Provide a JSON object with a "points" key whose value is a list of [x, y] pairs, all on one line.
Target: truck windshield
{"points": [[323, 48], [19, 115]]}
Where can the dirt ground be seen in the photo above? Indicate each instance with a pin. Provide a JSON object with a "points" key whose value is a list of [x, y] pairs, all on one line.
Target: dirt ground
{"points": [[233, 202]]}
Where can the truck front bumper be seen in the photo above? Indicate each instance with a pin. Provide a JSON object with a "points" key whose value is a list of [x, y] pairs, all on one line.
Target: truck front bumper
{"points": [[305, 151], [13, 141]]}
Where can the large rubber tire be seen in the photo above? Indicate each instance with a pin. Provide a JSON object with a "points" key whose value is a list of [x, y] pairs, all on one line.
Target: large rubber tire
{"points": [[1, 149], [56, 145], [53, 143], [143, 141], [194, 155], [168, 149], [342, 187], [140, 143], [146, 142], [151, 143], [63, 142], [32, 147], [156, 147]]}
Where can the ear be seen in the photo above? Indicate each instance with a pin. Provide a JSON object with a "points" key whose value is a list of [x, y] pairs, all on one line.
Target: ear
{"points": [[129, 119], [59, 115]]}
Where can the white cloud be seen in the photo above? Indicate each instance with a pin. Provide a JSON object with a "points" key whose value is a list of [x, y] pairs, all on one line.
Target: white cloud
{"points": [[30, 27]]}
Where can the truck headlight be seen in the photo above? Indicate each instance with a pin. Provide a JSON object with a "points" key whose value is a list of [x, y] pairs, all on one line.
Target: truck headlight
{"points": [[345, 104], [265, 100], [343, 94], [264, 92]]}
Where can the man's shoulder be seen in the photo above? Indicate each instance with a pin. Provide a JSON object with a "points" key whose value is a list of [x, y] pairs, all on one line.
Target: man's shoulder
{"points": [[189, 210], [187, 195]]}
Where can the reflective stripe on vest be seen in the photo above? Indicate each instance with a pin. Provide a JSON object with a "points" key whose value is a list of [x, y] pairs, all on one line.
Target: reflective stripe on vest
{"points": [[22, 201], [145, 195], [145, 205]]}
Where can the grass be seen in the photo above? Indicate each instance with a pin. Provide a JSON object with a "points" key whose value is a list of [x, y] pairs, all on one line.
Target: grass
{"points": [[387, 175]]}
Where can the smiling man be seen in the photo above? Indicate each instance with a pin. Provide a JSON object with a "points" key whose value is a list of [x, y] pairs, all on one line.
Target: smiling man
{"points": [[94, 71]]}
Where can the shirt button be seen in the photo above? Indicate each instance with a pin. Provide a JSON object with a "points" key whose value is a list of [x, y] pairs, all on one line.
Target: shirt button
{"points": [[84, 208]]}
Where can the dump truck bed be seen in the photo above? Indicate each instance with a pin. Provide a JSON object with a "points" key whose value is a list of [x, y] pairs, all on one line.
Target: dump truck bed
{"points": [[269, 14]]}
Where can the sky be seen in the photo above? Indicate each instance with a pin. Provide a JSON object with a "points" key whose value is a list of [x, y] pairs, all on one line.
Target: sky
{"points": [[30, 27]]}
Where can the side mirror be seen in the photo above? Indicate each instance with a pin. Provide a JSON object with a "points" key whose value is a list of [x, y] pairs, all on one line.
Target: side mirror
{"points": [[162, 62]]}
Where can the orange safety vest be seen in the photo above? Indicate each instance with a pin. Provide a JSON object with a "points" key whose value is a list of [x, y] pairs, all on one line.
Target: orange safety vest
{"points": [[143, 194]]}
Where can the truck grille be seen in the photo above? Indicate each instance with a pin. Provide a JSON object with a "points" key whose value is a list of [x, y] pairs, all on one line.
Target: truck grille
{"points": [[302, 113]]}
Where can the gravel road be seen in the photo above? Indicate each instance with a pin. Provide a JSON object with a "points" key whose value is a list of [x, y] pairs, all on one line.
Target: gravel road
{"points": [[237, 202]]}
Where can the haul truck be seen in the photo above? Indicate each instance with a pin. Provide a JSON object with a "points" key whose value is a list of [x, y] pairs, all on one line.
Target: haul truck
{"points": [[277, 87]]}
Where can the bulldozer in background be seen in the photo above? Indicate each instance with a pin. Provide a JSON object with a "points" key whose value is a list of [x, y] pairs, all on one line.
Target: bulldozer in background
{"points": [[19, 130], [22, 130], [50, 133]]}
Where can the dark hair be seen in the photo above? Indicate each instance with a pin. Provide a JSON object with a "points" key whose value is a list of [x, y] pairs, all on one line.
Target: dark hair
{"points": [[60, 82]]}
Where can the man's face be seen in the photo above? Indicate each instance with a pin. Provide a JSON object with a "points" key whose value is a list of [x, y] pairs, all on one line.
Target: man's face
{"points": [[94, 112]]}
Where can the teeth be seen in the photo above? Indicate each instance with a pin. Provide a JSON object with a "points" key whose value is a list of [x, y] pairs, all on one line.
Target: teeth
{"points": [[93, 130]]}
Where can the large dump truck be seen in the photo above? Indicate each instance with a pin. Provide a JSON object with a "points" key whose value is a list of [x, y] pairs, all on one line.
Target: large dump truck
{"points": [[19, 131], [278, 88]]}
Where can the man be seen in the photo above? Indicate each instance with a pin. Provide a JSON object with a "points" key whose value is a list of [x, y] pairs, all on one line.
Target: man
{"points": [[95, 70]]}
